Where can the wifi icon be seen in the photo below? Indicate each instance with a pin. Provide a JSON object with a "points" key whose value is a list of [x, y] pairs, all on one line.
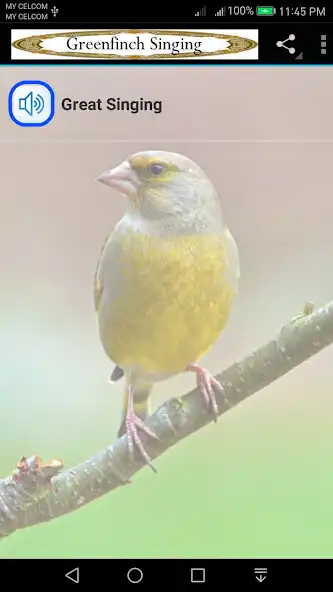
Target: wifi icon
{"points": [[31, 103]]}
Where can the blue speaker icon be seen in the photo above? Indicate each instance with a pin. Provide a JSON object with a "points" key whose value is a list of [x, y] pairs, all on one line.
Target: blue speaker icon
{"points": [[31, 103]]}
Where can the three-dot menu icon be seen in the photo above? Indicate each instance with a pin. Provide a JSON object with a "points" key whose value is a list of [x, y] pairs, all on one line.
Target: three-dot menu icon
{"points": [[323, 42]]}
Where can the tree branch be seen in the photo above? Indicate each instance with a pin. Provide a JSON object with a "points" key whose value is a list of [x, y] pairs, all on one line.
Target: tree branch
{"points": [[26, 497]]}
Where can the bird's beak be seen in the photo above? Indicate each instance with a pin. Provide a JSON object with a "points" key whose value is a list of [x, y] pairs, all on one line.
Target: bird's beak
{"points": [[122, 178]]}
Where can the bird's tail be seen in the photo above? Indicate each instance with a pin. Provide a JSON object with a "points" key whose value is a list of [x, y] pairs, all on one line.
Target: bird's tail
{"points": [[117, 374], [141, 396]]}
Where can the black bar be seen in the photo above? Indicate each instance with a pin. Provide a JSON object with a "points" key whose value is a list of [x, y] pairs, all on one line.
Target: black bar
{"points": [[172, 11], [219, 574], [307, 46]]}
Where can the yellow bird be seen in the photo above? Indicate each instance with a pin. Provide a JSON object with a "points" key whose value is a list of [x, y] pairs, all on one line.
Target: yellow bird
{"points": [[165, 281]]}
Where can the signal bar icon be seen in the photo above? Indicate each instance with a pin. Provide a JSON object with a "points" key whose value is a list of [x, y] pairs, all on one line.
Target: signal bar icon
{"points": [[220, 12], [202, 11]]}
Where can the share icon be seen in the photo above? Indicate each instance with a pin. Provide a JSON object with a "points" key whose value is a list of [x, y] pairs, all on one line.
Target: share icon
{"points": [[291, 37]]}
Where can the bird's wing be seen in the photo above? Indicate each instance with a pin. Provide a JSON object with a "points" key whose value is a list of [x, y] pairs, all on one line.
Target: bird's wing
{"points": [[232, 270], [98, 288], [117, 372]]}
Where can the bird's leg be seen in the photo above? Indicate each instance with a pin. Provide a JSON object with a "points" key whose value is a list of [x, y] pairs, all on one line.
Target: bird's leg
{"points": [[206, 384], [133, 423]]}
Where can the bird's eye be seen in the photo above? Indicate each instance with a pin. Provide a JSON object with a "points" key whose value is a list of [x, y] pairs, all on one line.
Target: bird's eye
{"points": [[156, 169]]}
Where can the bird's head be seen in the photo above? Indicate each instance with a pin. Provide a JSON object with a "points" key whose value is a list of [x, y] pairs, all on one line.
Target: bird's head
{"points": [[163, 185]]}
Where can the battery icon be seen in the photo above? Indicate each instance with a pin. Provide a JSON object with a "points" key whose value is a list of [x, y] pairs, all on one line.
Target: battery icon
{"points": [[265, 10]]}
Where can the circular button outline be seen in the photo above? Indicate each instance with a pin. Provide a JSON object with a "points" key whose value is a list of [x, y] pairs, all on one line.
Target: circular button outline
{"points": [[135, 569]]}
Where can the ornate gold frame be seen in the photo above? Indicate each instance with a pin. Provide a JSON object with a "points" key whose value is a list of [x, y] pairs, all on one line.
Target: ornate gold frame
{"points": [[33, 44]]}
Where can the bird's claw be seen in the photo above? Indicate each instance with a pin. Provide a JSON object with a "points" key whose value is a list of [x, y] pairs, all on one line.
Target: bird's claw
{"points": [[133, 424], [206, 383]]}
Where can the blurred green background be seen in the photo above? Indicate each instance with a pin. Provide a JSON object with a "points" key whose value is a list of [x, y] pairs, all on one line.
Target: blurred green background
{"points": [[260, 483], [257, 485]]}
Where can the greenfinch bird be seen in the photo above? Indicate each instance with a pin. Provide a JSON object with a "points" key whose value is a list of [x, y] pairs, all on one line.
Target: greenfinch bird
{"points": [[165, 282]]}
